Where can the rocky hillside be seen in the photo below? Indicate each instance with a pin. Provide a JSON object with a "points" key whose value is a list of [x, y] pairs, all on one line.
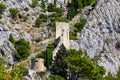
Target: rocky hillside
{"points": [[99, 39], [101, 34], [20, 28]]}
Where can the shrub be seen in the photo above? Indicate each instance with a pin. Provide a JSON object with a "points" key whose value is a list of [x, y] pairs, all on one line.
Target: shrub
{"points": [[41, 55], [55, 77], [51, 7], [43, 16], [23, 49], [43, 6], [111, 77], [59, 10], [38, 39], [13, 12], [60, 19], [11, 39], [34, 3], [119, 20], [79, 25], [0, 16], [72, 35], [2, 7], [38, 22], [26, 9], [118, 44], [25, 18], [22, 52], [54, 15], [52, 24]]}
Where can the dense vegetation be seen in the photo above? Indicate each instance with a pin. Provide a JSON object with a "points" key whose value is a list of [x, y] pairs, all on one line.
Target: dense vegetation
{"points": [[52, 8], [22, 48], [72, 65], [77, 4], [7, 74]]}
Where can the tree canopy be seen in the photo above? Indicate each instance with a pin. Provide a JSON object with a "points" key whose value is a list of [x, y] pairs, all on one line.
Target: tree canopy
{"points": [[72, 64]]}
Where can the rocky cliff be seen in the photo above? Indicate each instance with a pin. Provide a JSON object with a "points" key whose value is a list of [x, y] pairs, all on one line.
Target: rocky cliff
{"points": [[100, 35]]}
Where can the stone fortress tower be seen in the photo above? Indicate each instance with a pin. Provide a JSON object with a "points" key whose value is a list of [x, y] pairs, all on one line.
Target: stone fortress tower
{"points": [[62, 30], [37, 64], [62, 36]]}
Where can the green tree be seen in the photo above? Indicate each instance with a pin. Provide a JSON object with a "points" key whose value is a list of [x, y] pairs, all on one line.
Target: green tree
{"points": [[13, 12], [48, 54], [71, 11], [60, 67], [73, 64]]}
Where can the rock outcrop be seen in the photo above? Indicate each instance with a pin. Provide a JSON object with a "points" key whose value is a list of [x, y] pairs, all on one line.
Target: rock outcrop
{"points": [[101, 33]]}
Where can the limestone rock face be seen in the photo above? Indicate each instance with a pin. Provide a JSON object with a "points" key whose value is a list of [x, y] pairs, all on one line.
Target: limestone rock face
{"points": [[18, 28], [100, 34]]}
